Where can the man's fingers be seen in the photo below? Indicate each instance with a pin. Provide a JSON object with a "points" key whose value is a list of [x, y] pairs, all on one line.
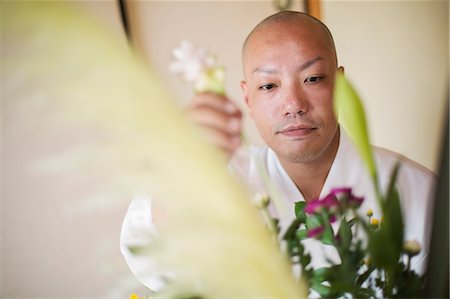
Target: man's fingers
{"points": [[217, 102], [219, 120], [207, 117], [226, 142]]}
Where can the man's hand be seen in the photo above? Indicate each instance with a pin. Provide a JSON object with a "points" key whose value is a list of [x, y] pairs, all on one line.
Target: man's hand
{"points": [[219, 118]]}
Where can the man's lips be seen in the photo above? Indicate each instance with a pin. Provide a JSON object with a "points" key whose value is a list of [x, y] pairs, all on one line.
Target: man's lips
{"points": [[296, 130]]}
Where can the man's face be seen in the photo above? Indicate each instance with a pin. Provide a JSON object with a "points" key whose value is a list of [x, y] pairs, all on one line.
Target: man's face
{"points": [[290, 71]]}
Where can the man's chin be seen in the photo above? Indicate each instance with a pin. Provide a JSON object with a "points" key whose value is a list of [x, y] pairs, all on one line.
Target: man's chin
{"points": [[300, 156]]}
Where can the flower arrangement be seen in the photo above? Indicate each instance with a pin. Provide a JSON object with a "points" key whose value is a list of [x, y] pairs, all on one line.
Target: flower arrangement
{"points": [[364, 271], [374, 260]]}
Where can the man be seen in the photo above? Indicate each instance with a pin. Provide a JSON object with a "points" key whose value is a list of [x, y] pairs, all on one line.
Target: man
{"points": [[290, 64]]}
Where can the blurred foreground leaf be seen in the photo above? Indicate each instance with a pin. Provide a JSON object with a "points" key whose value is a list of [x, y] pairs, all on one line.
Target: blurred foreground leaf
{"points": [[101, 112]]}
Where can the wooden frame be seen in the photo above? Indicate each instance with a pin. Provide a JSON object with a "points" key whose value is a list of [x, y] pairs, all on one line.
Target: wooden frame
{"points": [[312, 7]]}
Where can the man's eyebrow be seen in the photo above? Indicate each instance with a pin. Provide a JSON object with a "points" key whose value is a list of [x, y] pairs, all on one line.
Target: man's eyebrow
{"points": [[310, 63], [270, 70], [264, 69]]}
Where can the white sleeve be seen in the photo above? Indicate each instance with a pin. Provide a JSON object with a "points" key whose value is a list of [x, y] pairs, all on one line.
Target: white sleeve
{"points": [[138, 230]]}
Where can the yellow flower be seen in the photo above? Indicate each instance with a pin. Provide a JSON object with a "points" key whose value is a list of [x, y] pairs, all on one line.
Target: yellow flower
{"points": [[369, 213], [412, 247], [374, 223], [135, 296]]}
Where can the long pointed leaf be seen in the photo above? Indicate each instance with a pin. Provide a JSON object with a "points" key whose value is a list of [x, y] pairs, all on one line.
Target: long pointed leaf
{"points": [[350, 112]]}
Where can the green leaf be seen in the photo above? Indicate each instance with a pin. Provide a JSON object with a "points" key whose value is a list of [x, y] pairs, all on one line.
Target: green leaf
{"points": [[320, 274], [364, 276], [302, 234], [393, 219], [291, 231], [313, 221], [328, 235], [345, 234], [350, 112], [386, 244], [300, 211], [323, 291]]}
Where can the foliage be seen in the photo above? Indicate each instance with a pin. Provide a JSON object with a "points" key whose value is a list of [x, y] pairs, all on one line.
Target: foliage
{"points": [[371, 268]]}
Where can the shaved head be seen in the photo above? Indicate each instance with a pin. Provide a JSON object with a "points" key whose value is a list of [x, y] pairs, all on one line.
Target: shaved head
{"points": [[291, 18]]}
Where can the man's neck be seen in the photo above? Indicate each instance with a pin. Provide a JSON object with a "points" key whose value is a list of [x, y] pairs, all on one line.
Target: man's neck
{"points": [[310, 177]]}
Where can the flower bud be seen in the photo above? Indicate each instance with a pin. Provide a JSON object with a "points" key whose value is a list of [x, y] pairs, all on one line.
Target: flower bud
{"points": [[261, 200], [374, 223], [369, 213], [412, 247]]}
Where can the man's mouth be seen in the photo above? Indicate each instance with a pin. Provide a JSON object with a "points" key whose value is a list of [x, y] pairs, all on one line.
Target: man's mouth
{"points": [[296, 130]]}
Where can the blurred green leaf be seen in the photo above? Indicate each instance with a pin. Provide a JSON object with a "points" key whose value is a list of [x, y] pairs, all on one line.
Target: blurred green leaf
{"points": [[345, 234], [324, 291], [320, 274], [300, 211], [350, 112], [313, 221], [386, 243], [302, 234], [291, 231], [328, 235]]}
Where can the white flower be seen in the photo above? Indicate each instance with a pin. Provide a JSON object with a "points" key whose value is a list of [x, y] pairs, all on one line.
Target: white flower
{"points": [[191, 62], [199, 67], [261, 200]]}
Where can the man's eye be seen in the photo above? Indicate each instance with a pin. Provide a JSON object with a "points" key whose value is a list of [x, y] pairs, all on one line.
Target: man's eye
{"points": [[313, 79], [267, 86]]}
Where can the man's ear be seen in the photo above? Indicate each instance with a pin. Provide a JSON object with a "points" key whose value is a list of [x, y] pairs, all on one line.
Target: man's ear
{"points": [[245, 92], [244, 89]]}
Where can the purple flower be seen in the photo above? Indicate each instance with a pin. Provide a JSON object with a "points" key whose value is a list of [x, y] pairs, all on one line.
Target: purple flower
{"points": [[347, 197], [314, 232], [313, 206], [341, 191], [329, 202], [332, 218], [355, 201]]}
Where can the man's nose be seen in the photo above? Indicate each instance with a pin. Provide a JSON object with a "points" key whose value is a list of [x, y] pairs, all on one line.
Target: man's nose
{"points": [[295, 102]]}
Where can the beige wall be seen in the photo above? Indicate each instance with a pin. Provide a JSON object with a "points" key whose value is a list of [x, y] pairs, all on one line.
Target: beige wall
{"points": [[396, 53]]}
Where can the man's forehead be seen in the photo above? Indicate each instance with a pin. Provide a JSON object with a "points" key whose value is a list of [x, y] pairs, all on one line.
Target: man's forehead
{"points": [[300, 32]]}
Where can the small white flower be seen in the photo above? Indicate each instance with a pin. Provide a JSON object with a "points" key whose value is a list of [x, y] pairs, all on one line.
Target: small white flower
{"points": [[199, 67], [191, 62], [261, 200]]}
